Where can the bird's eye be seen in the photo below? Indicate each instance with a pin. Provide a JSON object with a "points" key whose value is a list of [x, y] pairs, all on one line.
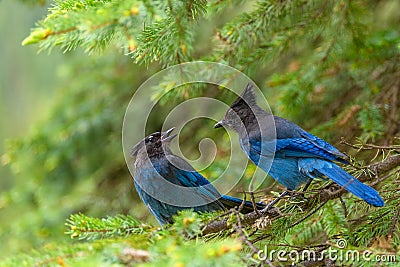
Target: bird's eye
{"points": [[151, 138]]}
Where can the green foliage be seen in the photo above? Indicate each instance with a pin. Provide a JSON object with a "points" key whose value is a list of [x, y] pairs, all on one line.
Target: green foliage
{"points": [[334, 54], [330, 66], [173, 31], [34, 2], [75, 151], [82, 227], [142, 245], [371, 119], [92, 25]]}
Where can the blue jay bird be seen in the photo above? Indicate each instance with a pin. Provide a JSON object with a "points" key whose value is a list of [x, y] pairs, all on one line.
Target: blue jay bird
{"points": [[167, 183], [294, 155]]}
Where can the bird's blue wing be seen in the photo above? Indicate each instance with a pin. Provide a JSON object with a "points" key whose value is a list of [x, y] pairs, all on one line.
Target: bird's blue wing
{"points": [[301, 147], [323, 145], [232, 202], [201, 186], [309, 146]]}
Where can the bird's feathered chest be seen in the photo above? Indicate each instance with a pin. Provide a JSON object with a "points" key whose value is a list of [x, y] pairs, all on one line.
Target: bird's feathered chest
{"points": [[153, 169], [170, 168]]}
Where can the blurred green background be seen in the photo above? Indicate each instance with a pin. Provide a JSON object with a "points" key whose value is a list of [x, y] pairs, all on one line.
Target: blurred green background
{"points": [[48, 101], [28, 81], [62, 113]]}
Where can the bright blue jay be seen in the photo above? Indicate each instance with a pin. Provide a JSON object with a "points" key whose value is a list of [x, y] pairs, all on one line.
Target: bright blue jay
{"points": [[294, 155], [167, 183]]}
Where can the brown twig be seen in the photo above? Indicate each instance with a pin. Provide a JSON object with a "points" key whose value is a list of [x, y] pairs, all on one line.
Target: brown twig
{"points": [[394, 221], [382, 167], [244, 201], [253, 201], [248, 219], [368, 146], [308, 214], [244, 239], [344, 206]]}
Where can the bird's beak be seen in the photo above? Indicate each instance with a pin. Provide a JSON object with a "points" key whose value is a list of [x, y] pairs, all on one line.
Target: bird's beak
{"points": [[218, 124], [167, 137]]}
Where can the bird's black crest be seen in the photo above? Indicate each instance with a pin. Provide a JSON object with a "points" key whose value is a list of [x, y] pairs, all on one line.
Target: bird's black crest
{"points": [[247, 98]]}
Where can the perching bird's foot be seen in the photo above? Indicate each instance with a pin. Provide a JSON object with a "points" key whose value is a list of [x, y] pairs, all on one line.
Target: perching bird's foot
{"points": [[297, 196], [272, 203], [269, 205]]}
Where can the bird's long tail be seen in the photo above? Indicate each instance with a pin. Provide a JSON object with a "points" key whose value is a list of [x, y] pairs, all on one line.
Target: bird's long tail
{"points": [[351, 184], [231, 202]]}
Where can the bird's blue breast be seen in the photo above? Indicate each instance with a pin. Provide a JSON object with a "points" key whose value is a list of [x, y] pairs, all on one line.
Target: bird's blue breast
{"points": [[153, 184], [277, 164]]}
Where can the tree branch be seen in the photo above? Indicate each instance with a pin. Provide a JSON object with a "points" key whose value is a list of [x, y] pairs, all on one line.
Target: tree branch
{"points": [[324, 195]]}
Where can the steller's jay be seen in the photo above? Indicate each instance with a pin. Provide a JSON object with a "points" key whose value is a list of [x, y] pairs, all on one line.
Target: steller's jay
{"points": [[167, 183], [294, 155]]}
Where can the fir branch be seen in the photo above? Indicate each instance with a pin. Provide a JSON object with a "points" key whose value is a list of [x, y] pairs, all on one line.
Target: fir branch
{"points": [[324, 196], [260, 35], [244, 239], [88, 24], [170, 39], [83, 227], [366, 146], [309, 214], [380, 168]]}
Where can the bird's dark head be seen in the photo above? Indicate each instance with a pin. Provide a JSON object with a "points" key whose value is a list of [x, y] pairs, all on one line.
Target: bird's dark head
{"points": [[241, 112], [153, 144]]}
